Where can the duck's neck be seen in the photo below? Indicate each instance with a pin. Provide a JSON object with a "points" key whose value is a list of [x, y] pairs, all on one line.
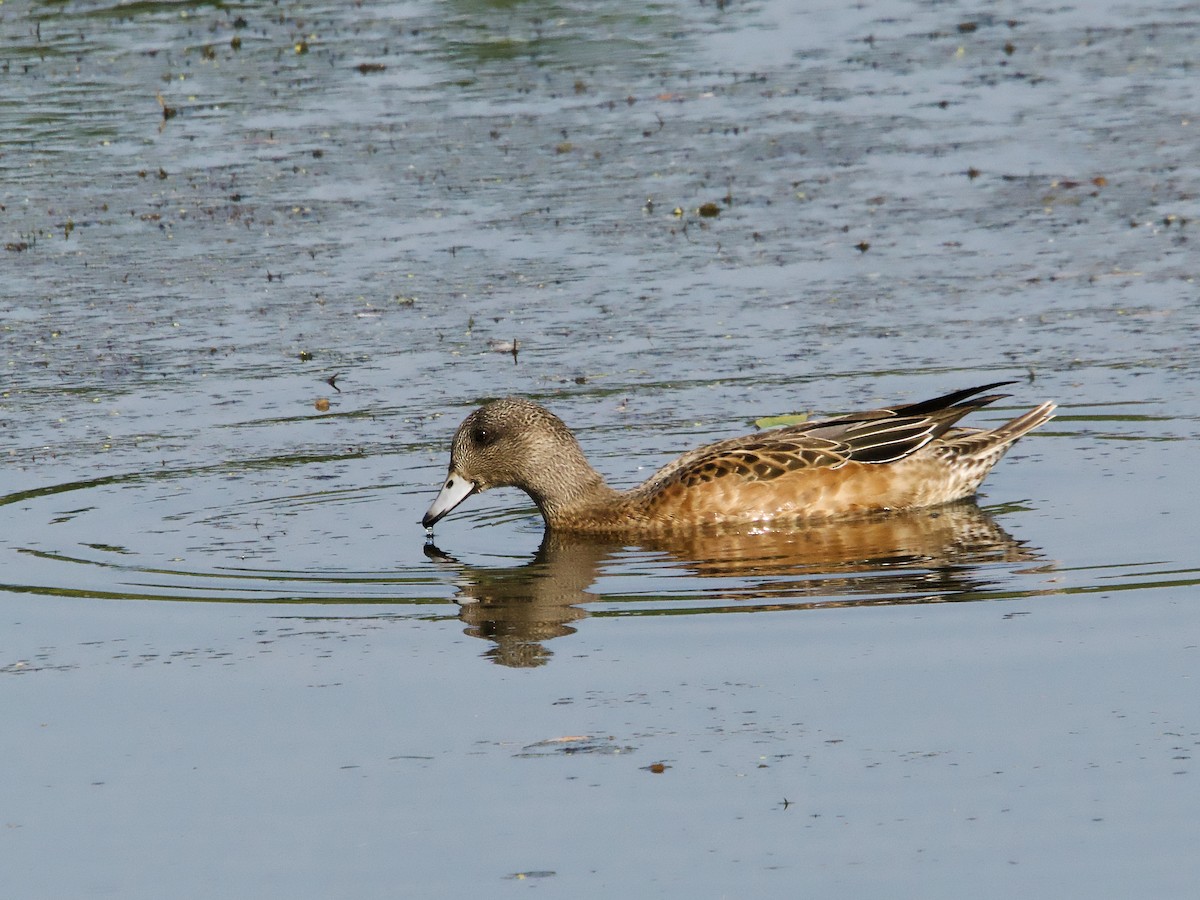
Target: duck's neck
{"points": [[569, 492], [573, 503]]}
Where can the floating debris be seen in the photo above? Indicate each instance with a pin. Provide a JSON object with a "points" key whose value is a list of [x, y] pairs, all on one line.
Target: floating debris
{"points": [[572, 744], [780, 421], [168, 112], [512, 347]]}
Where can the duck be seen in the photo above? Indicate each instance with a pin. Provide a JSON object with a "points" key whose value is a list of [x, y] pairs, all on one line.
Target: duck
{"points": [[878, 461]]}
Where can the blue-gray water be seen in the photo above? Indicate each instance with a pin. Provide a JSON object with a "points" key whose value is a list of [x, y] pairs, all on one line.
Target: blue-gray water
{"points": [[228, 663]]}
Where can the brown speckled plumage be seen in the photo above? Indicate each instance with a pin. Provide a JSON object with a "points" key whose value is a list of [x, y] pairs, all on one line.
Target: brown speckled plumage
{"points": [[885, 459]]}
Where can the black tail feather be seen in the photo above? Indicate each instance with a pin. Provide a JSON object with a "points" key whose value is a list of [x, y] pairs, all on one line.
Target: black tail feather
{"points": [[925, 407]]}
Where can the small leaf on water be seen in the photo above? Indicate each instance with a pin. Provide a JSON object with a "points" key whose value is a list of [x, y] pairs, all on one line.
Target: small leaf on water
{"points": [[780, 421]]}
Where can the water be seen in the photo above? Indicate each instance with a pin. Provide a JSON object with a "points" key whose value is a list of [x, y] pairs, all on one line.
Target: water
{"points": [[231, 664]]}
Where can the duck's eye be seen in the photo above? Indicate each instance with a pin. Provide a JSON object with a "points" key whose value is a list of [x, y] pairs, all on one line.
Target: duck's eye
{"points": [[481, 435]]}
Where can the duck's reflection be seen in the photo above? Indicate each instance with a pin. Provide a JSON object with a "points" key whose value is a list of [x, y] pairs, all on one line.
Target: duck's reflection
{"points": [[927, 556]]}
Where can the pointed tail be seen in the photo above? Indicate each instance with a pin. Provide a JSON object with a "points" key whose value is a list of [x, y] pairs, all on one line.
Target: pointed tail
{"points": [[1023, 424]]}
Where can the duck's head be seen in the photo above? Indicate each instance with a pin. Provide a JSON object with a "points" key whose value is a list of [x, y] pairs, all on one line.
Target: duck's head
{"points": [[511, 443]]}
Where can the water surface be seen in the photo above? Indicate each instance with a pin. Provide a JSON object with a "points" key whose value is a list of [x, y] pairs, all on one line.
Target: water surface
{"points": [[232, 665]]}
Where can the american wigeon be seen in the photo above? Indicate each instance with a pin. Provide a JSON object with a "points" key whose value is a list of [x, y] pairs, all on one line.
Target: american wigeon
{"points": [[885, 459]]}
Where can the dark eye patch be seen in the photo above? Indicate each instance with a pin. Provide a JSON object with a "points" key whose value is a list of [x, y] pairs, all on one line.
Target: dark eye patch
{"points": [[483, 435]]}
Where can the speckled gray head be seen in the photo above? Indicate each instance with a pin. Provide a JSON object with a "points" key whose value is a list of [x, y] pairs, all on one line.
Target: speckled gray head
{"points": [[505, 443]]}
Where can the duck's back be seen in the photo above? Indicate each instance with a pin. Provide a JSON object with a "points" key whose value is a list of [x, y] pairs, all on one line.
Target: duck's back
{"points": [[888, 459]]}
